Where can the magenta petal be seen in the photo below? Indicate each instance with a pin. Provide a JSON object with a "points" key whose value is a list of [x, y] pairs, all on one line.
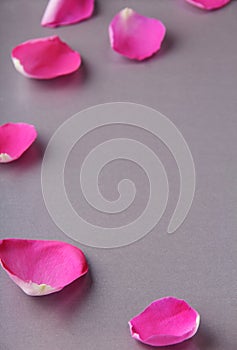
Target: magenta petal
{"points": [[209, 4], [15, 139], [164, 322], [63, 12], [41, 267], [135, 36], [45, 58]]}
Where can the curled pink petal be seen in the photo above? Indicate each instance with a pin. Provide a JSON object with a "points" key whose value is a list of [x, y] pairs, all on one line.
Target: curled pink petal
{"points": [[63, 12], [41, 267], [164, 322], [45, 58], [15, 139], [209, 4], [135, 36]]}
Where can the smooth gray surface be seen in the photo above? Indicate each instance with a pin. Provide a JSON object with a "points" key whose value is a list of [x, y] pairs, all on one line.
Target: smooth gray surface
{"points": [[193, 81]]}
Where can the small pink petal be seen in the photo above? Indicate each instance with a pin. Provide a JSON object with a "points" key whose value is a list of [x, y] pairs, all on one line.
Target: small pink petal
{"points": [[15, 139], [41, 267], [209, 4], [63, 12], [45, 58], [164, 322], [135, 36]]}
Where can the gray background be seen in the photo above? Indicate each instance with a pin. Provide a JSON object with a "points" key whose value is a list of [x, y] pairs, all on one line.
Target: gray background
{"points": [[193, 82]]}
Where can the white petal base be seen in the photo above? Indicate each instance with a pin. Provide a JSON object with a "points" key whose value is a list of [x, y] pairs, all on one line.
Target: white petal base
{"points": [[5, 158], [35, 289], [32, 288], [19, 67]]}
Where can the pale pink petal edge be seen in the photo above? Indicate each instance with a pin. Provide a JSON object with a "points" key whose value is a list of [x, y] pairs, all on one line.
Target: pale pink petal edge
{"points": [[164, 339], [209, 7], [61, 13]]}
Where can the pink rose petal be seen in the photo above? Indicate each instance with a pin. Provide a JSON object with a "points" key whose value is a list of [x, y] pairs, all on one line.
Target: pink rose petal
{"points": [[41, 267], [45, 58], [63, 12], [135, 36], [209, 4], [15, 139], [164, 322]]}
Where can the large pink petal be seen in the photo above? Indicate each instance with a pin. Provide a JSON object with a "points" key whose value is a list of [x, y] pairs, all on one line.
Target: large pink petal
{"points": [[209, 4], [41, 267], [15, 139], [63, 12], [45, 58], [135, 36], [164, 322]]}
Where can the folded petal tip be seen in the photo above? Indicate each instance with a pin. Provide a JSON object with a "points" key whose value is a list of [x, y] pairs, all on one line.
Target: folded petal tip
{"points": [[65, 12]]}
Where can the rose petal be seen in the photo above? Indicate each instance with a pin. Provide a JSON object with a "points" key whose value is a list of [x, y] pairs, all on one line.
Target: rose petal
{"points": [[63, 12], [15, 139], [135, 36], [41, 267], [45, 58], [209, 4], [164, 322]]}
